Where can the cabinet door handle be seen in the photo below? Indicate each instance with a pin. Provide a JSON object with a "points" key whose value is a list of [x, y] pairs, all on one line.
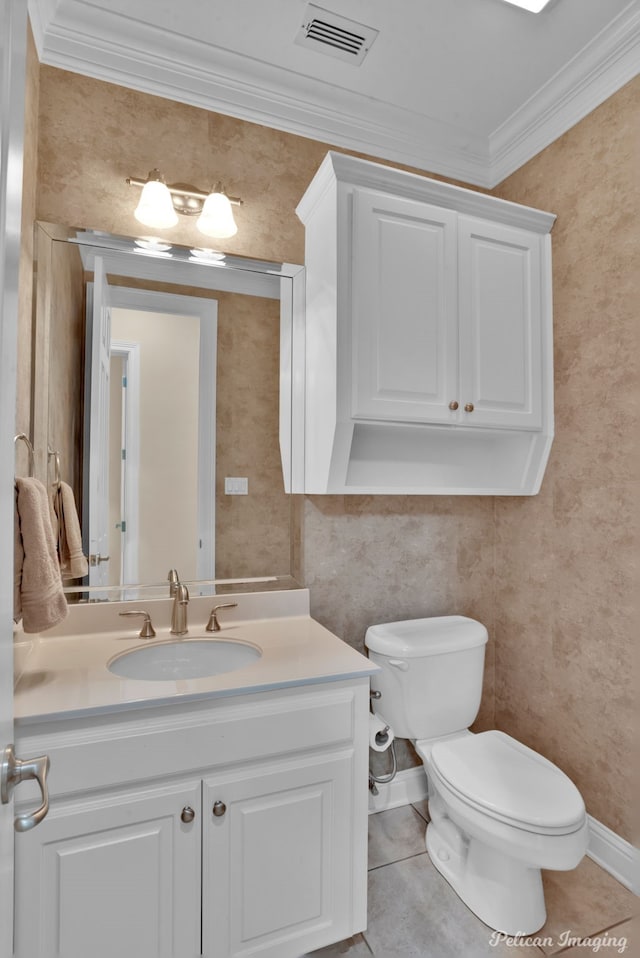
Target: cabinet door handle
{"points": [[468, 407], [219, 808], [13, 771], [187, 815], [453, 405]]}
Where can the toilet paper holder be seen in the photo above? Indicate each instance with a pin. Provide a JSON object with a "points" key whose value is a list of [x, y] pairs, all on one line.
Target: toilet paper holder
{"points": [[382, 736]]}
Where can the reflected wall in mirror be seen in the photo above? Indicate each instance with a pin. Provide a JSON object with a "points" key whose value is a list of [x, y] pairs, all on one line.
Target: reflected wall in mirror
{"points": [[156, 380]]}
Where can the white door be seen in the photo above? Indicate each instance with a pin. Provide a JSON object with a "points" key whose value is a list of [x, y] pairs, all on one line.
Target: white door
{"points": [[405, 347], [97, 435], [277, 859], [116, 877], [500, 300], [13, 37]]}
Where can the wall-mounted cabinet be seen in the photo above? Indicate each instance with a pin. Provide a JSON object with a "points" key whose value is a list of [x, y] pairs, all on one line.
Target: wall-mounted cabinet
{"points": [[428, 345]]}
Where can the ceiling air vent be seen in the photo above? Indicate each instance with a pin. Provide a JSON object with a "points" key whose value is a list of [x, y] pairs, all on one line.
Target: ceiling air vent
{"points": [[326, 32]]}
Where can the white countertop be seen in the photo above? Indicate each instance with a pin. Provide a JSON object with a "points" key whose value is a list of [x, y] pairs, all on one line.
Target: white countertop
{"points": [[64, 673]]}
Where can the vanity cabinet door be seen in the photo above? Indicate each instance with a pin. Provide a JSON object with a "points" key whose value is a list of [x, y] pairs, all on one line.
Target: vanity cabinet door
{"points": [[405, 323], [278, 859], [112, 877], [500, 299]]}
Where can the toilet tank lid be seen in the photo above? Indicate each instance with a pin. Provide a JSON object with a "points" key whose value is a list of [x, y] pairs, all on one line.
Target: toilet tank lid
{"points": [[419, 637]]}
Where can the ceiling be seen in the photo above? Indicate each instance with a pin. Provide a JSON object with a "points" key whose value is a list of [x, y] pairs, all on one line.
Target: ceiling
{"points": [[469, 89]]}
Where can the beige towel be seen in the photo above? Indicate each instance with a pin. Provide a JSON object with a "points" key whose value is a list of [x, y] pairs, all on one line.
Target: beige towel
{"points": [[40, 599], [66, 529], [18, 561]]}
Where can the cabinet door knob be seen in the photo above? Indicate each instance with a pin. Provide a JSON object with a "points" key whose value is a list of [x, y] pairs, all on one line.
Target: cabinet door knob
{"points": [[453, 405], [188, 814], [219, 808], [468, 407]]}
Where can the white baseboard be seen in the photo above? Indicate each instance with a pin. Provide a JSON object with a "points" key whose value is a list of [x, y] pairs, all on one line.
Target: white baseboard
{"points": [[613, 853], [617, 856], [409, 785]]}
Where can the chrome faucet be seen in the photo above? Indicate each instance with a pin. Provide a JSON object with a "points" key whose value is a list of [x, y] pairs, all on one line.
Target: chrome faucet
{"points": [[179, 612]]}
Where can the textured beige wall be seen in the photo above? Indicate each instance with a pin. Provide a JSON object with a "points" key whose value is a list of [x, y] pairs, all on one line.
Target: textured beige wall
{"points": [[66, 361], [252, 532], [566, 579]]}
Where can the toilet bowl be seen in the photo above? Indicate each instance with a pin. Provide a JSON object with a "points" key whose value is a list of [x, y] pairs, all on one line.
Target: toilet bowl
{"points": [[499, 811]]}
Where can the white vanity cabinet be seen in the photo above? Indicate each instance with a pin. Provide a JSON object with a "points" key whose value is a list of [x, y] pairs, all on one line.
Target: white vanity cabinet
{"points": [[226, 828], [428, 337]]}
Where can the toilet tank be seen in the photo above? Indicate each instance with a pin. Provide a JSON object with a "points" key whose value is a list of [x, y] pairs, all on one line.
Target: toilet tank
{"points": [[432, 670]]}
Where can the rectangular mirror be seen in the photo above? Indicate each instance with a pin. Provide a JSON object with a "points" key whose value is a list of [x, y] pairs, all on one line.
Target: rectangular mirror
{"points": [[162, 396]]}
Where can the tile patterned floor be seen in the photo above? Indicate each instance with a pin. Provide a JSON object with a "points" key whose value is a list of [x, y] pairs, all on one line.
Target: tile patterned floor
{"points": [[414, 913]]}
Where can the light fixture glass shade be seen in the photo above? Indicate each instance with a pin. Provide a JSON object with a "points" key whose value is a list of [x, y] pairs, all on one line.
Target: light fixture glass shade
{"points": [[155, 207], [216, 218]]}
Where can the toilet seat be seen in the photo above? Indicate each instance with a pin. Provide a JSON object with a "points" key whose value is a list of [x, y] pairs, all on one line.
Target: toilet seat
{"points": [[499, 777]]}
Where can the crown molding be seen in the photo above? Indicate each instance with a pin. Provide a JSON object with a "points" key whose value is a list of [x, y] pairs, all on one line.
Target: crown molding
{"points": [[596, 73], [78, 36], [41, 15], [119, 49]]}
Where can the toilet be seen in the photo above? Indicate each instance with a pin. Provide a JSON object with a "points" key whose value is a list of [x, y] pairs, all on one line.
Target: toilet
{"points": [[499, 811]]}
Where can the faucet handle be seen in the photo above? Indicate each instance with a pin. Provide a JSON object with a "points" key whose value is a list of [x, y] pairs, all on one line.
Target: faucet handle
{"points": [[213, 625], [147, 631]]}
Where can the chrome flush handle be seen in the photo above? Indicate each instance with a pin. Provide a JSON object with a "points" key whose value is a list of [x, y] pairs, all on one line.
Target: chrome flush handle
{"points": [[12, 772]]}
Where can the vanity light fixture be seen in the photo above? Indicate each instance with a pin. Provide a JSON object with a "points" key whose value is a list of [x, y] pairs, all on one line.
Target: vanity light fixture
{"points": [[160, 203], [533, 6]]}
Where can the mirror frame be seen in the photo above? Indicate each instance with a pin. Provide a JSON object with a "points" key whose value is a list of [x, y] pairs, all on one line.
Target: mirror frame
{"points": [[292, 352]]}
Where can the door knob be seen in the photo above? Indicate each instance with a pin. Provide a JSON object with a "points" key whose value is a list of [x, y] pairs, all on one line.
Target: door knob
{"points": [[97, 559], [187, 815], [468, 407], [453, 405], [219, 808], [12, 772]]}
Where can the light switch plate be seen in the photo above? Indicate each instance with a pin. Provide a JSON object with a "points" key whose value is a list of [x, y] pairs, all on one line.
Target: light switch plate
{"points": [[236, 486]]}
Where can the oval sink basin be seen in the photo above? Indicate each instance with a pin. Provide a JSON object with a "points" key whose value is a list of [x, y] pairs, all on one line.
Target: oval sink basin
{"points": [[184, 659]]}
